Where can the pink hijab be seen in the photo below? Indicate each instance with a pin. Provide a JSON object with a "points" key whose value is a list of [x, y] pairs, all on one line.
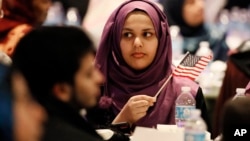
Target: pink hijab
{"points": [[122, 82]]}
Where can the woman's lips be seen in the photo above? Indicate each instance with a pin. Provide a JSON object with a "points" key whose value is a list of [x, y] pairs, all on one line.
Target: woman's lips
{"points": [[138, 55]]}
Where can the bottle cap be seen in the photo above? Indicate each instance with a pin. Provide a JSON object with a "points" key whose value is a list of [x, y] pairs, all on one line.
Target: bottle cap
{"points": [[240, 90], [72, 16], [204, 44], [185, 89], [174, 30]]}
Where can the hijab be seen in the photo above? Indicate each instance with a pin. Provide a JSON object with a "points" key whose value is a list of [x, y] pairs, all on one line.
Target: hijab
{"points": [[17, 21], [122, 82], [241, 59], [16, 12], [173, 9], [5, 106]]}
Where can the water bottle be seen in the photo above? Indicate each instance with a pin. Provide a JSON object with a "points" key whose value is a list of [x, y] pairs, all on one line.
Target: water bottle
{"points": [[55, 15], [177, 42], [240, 93], [204, 49], [184, 103], [73, 17], [195, 127]]}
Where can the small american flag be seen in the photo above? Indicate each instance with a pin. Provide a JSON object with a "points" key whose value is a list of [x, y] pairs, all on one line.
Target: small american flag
{"points": [[191, 66]]}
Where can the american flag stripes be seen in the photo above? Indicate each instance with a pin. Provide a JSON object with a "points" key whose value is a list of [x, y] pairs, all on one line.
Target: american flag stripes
{"points": [[191, 66]]}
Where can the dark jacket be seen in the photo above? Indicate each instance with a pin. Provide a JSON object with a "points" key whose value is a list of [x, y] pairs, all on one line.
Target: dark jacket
{"points": [[66, 124]]}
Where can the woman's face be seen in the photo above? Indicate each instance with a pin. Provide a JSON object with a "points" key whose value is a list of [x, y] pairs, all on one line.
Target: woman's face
{"points": [[28, 114], [193, 12], [138, 41], [41, 8]]}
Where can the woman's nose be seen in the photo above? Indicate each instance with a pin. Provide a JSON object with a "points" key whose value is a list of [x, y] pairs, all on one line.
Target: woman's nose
{"points": [[137, 42]]}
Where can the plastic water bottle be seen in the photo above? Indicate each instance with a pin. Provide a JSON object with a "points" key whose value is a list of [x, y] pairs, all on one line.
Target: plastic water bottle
{"points": [[204, 49], [240, 93], [72, 17], [184, 103], [177, 42], [195, 127], [55, 15]]}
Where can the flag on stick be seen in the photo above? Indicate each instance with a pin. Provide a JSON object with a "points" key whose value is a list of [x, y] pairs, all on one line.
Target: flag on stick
{"points": [[191, 66]]}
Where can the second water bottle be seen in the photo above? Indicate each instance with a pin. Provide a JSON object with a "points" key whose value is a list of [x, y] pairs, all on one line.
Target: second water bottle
{"points": [[184, 103]]}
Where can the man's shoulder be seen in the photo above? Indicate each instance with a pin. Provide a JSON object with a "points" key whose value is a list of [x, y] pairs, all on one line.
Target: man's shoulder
{"points": [[58, 129]]}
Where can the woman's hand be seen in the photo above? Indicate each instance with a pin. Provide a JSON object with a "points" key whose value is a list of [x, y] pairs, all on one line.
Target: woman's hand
{"points": [[135, 109]]}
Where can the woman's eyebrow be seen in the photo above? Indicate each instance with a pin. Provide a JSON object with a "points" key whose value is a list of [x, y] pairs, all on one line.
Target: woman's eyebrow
{"points": [[146, 29], [128, 29]]}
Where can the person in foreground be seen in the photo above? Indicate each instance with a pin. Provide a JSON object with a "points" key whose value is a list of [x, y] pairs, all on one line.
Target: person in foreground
{"points": [[18, 109], [235, 117], [58, 65], [135, 56]]}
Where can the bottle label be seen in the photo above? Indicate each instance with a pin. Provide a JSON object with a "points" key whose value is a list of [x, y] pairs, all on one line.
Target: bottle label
{"points": [[194, 136], [183, 112]]}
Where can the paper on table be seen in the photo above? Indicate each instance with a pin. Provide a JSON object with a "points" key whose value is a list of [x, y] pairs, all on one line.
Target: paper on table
{"points": [[174, 129], [150, 134], [106, 134]]}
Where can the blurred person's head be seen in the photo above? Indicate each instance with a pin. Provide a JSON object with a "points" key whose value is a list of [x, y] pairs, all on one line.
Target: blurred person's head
{"points": [[21, 118], [19, 17], [236, 115], [193, 12], [185, 13], [58, 63], [33, 12]]}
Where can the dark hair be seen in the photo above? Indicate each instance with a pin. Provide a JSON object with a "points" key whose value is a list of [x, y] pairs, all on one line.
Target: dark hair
{"points": [[50, 55], [236, 115]]}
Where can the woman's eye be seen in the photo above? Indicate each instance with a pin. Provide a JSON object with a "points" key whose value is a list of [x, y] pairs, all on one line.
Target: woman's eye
{"points": [[147, 34], [127, 34]]}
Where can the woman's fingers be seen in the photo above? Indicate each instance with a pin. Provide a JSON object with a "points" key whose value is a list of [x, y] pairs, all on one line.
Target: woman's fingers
{"points": [[135, 108], [140, 103], [143, 97], [149, 99]]}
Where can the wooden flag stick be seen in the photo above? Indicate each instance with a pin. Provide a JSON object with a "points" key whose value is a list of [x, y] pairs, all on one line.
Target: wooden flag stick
{"points": [[165, 83], [171, 75]]}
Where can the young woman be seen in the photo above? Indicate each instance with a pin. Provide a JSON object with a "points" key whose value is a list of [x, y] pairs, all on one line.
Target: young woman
{"points": [[135, 56]]}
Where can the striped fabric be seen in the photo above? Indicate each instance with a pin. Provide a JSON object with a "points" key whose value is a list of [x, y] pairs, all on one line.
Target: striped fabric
{"points": [[191, 66]]}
